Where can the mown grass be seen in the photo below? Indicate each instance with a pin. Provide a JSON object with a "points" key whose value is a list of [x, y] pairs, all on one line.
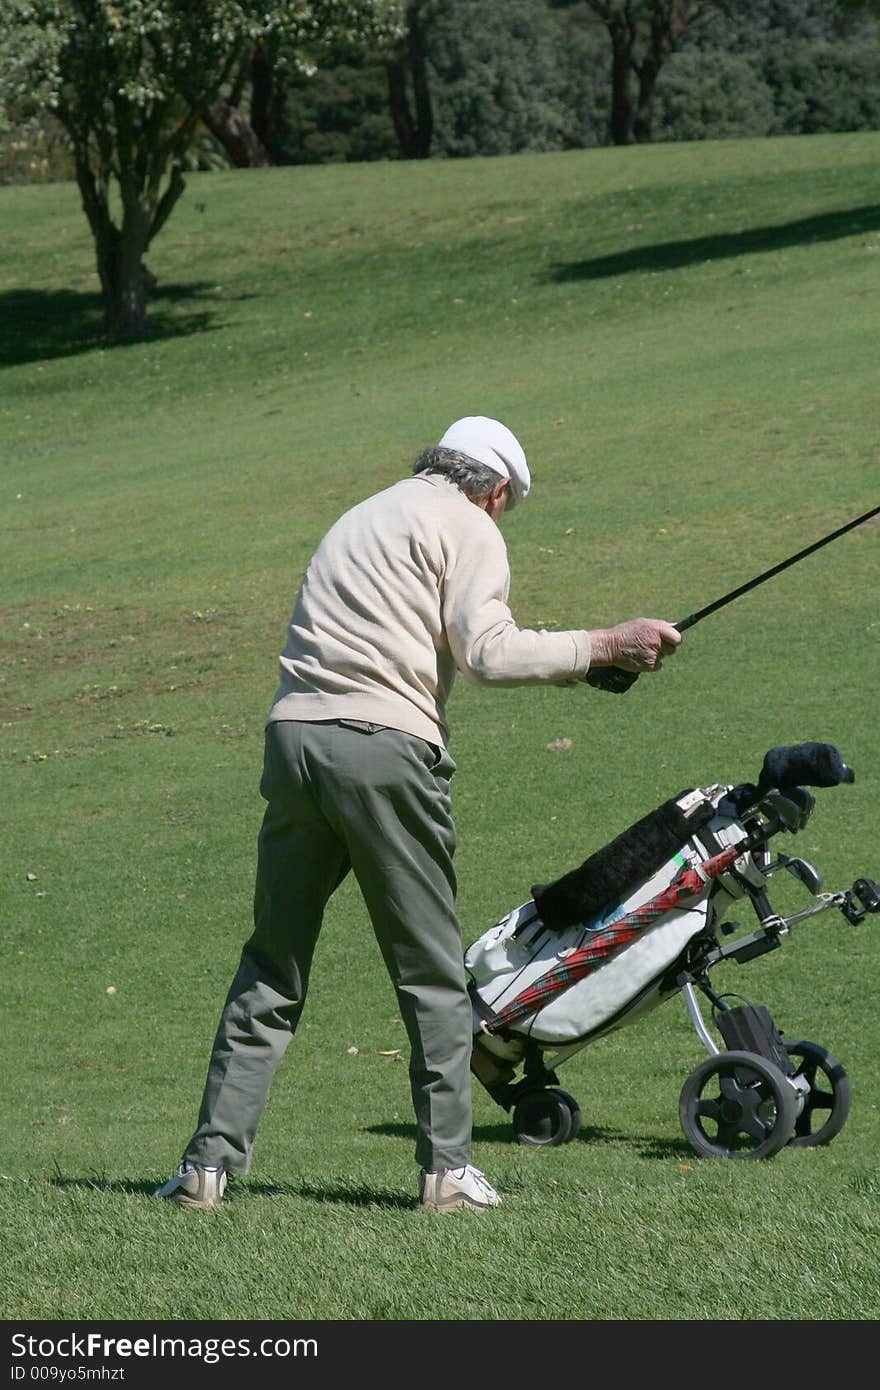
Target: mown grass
{"points": [[685, 340]]}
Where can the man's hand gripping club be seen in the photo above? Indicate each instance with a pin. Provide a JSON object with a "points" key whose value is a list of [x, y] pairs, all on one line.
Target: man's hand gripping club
{"points": [[621, 653]]}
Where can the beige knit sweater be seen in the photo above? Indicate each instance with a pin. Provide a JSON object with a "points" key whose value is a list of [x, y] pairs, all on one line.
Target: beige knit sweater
{"points": [[404, 589]]}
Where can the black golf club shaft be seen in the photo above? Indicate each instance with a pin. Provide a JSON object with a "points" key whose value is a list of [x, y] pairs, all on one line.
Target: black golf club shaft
{"points": [[615, 679], [701, 613]]}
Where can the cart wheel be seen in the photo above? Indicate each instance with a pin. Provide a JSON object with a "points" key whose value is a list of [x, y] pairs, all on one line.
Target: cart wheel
{"points": [[575, 1114], [545, 1117], [737, 1105], [826, 1107]]}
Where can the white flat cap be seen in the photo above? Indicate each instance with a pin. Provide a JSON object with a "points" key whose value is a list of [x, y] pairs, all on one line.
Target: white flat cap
{"points": [[490, 442]]}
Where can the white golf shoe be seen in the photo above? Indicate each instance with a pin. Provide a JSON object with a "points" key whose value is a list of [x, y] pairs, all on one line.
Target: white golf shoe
{"points": [[194, 1185], [454, 1189]]}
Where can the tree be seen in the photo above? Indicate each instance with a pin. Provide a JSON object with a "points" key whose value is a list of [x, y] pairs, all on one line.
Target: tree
{"points": [[130, 81], [405, 68], [495, 77], [710, 94], [581, 46], [777, 67], [484, 76], [338, 112], [246, 118], [246, 142], [643, 34]]}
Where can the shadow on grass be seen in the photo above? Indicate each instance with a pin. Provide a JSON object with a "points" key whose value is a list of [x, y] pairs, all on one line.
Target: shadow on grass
{"points": [[677, 255], [37, 325], [648, 1145], [361, 1194], [348, 1194], [492, 1134]]}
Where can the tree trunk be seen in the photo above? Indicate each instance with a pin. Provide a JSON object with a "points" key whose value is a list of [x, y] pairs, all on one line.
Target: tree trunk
{"points": [[123, 278], [667, 21], [421, 90], [414, 132], [268, 91], [622, 132], [126, 283], [648, 74], [238, 138], [401, 115], [668, 25]]}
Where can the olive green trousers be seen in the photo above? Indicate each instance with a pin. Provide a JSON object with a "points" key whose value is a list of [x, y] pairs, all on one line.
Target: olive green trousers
{"points": [[348, 795]]}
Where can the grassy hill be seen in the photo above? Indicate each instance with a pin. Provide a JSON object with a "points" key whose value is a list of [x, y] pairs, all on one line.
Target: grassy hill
{"points": [[684, 339]]}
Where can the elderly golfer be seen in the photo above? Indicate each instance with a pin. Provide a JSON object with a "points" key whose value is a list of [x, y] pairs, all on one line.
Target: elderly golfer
{"points": [[406, 588]]}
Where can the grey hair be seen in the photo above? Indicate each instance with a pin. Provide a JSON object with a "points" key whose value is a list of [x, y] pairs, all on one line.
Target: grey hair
{"points": [[476, 479]]}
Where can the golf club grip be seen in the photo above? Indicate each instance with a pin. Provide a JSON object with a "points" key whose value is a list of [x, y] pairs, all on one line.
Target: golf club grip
{"points": [[612, 678]]}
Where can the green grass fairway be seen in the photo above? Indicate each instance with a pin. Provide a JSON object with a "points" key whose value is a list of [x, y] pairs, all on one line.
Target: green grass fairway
{"points": [[685, 340]]}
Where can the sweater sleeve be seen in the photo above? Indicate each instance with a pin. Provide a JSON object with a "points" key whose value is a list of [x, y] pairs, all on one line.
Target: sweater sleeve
{"points": [[486, 644]]}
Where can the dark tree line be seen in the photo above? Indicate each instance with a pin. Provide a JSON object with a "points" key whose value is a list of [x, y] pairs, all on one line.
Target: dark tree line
{"points": [[463, 77], [501, 76]]}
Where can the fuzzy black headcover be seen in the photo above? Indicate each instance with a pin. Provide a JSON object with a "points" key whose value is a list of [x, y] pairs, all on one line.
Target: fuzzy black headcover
{"points": [[790, 765], [615, 870], [803, 765]]}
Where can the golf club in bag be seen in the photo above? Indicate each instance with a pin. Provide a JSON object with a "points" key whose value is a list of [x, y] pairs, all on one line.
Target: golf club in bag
{"points": [[615, 679], [643, 919]]}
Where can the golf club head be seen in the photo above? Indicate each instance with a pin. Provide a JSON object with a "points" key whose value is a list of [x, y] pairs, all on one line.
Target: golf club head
{"points": [[805, 874], [792, 808]]}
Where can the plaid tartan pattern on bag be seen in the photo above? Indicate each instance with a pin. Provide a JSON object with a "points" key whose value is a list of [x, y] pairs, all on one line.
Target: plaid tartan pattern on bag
{"points": [[584, 959]]}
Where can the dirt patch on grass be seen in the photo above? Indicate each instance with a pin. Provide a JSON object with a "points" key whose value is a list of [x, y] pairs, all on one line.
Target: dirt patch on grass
{"points": [[110, 654]]}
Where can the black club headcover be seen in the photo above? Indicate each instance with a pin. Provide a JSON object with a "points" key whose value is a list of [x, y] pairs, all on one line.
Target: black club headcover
{"points": [[616, 869], [803, 765], [789, 765], [739, 800]]}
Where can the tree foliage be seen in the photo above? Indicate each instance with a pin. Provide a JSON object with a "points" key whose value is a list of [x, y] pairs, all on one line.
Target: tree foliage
{"points": [[787, 67], [717, 99], [493, 77], [336, 113]]}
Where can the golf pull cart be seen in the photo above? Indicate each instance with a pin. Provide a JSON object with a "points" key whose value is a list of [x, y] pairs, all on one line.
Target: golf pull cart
{"points": [[645, 918]]}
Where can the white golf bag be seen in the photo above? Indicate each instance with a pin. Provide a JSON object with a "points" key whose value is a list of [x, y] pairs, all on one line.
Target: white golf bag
{"points": [[641, 920]]}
